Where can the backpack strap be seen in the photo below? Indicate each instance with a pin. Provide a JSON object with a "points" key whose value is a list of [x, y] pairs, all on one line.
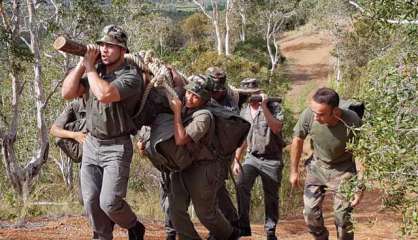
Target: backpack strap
{"points": [[211, 132]]}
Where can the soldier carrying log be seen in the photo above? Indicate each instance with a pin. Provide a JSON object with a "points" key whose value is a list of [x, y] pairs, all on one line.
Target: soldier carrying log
{"points": [[111, 92]]}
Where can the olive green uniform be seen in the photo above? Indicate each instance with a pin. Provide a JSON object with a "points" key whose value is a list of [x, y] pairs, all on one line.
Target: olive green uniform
{"points": [[107, 152], [198, 183], [264, 159], [330, 167]]}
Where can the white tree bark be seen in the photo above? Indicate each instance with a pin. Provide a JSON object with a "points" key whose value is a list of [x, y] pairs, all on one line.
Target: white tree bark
{"points": [[22, 177], [65, 164], [243, 7], [274, 25], [242, 34], [229, 8], [214, 17]]}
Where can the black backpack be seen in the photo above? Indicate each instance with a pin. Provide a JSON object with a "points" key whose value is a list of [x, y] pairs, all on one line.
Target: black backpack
{"points": [[70, 147], [227, 134], [353, 105]]}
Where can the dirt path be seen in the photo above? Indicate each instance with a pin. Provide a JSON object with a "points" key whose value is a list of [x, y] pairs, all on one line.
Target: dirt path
{"points": [[309, 64], [308, 58], [371, 224]]}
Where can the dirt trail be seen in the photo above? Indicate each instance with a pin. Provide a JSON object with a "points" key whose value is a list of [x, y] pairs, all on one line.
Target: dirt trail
{"points": [[309, 64], [308, 58], [371, 224]]}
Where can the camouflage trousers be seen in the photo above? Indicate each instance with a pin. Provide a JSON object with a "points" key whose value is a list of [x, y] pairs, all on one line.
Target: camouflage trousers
{"points": [[319, 180]]}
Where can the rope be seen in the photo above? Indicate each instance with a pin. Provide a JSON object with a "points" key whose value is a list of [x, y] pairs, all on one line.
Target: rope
{"points": [[162, 75]]}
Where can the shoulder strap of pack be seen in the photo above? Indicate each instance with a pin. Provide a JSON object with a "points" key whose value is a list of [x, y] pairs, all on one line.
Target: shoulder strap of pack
{"points": [[211, 132]]}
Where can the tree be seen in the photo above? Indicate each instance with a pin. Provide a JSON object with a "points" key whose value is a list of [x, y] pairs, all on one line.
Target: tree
{"points": [[195, 28], [243, 7], [273, 15], [22, 177], [214, 17]]}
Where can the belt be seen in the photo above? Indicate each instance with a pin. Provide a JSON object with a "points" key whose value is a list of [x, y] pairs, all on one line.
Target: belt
{"points": [[111, 140]]}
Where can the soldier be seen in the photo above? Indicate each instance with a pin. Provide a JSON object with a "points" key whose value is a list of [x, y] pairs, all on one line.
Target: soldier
{"points": [[264, 159], [199, 182], [222, 93], [330, 128], [74, 111], [228, 98], [112, 91]]}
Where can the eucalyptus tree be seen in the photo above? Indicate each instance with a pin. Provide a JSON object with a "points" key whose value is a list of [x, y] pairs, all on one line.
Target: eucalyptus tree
{"points": [[20, 21]]}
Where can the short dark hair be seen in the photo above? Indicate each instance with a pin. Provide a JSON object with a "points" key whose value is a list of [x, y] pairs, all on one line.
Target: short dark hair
{"points": [[328, 96]]}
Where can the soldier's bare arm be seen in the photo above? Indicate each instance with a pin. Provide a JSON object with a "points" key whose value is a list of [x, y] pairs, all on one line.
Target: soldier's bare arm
{"points": [[359, 194], [180, 135], [71, 87], [274, 124], [295, 154], [62, 133], [103, 90], [238, 156]]}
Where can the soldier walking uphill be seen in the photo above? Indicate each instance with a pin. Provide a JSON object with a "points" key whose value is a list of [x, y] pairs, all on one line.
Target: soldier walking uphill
{"points": [[226, 97], [264, 159], [330, 128], [199, 182], [112, 91]]}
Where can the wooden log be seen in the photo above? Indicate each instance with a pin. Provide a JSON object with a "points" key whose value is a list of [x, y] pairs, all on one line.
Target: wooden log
{"points": [[69, 46]]}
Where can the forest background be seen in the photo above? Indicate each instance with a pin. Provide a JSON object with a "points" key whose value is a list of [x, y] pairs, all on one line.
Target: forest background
{"points": [[375, 61]]}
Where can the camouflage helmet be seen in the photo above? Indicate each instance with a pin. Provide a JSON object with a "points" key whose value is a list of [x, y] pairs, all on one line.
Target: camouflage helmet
{"points": [[219, 78], [200, 85], [114, 35]]}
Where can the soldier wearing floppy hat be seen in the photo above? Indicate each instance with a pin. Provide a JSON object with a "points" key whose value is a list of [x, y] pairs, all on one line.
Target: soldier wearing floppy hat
{"points": [[112, 90], [114, 35], [263, 158]]}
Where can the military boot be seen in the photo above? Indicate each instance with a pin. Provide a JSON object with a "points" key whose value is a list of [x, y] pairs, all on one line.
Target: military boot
{"points": [[171, 237], [136, 232], [235, 235], [271, 236]]}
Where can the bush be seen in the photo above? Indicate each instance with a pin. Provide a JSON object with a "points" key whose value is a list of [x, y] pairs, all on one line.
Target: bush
{"points": [[387, 143]]}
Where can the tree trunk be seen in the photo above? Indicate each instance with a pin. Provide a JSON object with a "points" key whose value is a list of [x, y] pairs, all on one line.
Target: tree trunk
{"points": [[229, 6], [22, 178], [242, 35], [338, 70], [214, 18], [34, 166], [65, 164], [218, 37]]}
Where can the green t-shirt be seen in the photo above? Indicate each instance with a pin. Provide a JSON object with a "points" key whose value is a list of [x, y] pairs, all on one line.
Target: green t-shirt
{"points": [[329, 142], [109, 120]]}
